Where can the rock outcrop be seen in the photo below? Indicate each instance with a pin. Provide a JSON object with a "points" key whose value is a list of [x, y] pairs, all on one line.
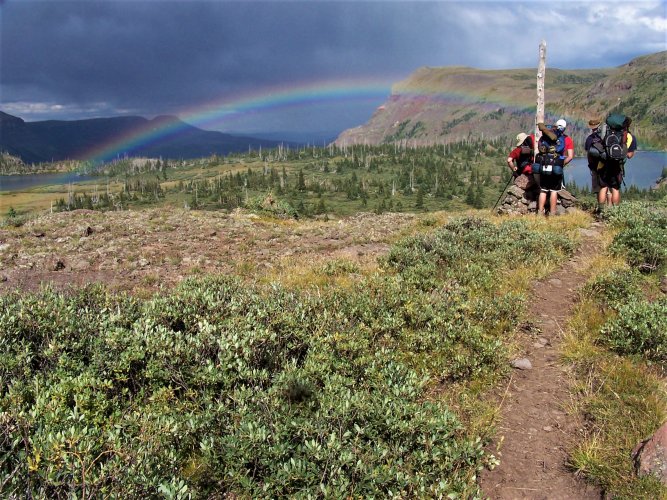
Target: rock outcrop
{"points": [[660, 183], [650, 456], [521, 197]]}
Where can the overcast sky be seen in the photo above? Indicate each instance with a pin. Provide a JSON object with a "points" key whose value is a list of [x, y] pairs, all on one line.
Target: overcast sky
{"points": [[286, 65]]}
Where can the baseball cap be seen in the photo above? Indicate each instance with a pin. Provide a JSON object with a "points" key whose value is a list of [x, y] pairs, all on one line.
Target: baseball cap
{"points": [[561, 124], [520, 138]]}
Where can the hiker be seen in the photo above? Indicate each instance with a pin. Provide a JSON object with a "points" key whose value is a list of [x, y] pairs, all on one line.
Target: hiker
{"points": [[520, 159], [618, 146], [555, 149], [592, 147], [561, 125]]}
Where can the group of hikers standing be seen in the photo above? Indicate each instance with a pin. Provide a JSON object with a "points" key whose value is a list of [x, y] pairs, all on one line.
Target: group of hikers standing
{"points": [[607, 150]]}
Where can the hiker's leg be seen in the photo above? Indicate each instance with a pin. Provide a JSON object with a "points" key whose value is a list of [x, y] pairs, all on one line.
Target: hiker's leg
{"points": [[602, 196], [553, 201], [541, 200], [595, 182], [615, 196]]}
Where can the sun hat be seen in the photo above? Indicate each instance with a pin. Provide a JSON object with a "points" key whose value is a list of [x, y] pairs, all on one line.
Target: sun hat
{"points": [[520, 138], [561, 124], [594, 122]]}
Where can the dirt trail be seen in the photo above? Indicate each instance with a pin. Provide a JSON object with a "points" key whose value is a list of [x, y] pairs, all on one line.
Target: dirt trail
{"points": [[535, 430]]}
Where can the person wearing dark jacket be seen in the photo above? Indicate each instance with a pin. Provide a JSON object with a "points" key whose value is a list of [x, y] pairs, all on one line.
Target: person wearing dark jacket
{"points": [[612, 172], [594, 160]]}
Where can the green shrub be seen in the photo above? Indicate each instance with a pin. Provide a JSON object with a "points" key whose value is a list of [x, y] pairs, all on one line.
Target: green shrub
{"points": [[613, 288], [472, 251], [14, 219], [642, 237], [640, 328], [221, 387], [339, 267]]}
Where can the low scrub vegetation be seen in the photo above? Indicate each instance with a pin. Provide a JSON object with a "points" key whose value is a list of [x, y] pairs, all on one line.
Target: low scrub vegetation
{"points": [[224, 386], [642, 234], [618, 345]]}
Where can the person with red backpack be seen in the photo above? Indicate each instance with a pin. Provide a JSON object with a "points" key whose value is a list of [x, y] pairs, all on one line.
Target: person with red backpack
{"points": [[520, 159]]}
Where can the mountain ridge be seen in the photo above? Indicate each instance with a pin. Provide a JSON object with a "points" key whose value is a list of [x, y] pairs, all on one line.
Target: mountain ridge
{"points": [[57, 140], [439, 105]]}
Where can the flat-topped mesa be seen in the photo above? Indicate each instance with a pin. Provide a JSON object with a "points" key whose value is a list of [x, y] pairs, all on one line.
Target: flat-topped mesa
{"points": [[440, 105]]}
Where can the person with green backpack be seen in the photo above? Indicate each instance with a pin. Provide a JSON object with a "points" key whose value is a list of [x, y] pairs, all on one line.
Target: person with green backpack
{"points": [[617, 146]]}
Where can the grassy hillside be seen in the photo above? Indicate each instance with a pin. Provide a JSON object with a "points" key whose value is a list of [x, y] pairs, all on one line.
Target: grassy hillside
{"points": [[636, 89]]}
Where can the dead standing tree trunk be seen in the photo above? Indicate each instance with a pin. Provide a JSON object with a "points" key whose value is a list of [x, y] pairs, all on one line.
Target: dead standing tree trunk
{"points": [[541, 71]]}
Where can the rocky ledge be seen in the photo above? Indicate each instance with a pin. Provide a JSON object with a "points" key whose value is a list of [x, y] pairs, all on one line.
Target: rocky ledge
{"points": [[521, 198]]}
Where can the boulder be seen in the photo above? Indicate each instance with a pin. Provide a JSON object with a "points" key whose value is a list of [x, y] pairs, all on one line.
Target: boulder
{"points": [[650, 456], [524, 181], [516, 191], [79, 264], [522, 364]]}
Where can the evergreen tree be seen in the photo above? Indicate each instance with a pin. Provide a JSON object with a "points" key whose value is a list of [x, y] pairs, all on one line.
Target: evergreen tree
{"points": [[479, 197], [301, 182], [470, 196], [419, 203]]}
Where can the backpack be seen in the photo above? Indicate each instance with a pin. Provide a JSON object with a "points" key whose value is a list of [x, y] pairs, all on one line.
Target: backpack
{"points": [[526, 154], [549, 159], [551, 141], [615, 139], [595, 151]]}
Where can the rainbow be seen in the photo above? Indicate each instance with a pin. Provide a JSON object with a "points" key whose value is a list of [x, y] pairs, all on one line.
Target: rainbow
{"points": [[221, 111]]}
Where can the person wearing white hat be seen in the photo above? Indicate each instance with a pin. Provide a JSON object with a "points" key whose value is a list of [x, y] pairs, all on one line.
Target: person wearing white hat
{"points": [[550, 185], [561, 125]]}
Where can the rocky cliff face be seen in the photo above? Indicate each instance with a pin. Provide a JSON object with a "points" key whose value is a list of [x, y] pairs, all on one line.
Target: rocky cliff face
{"points": [[450, 104]]}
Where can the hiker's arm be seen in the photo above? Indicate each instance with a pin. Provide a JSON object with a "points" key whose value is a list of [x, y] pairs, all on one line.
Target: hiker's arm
{"points": [[569, 157], [511, 164], [569, 150], [632, 146]]}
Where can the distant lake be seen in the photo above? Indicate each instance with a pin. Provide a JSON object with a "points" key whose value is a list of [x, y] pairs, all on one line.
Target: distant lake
{"points": [[642, 170], [29, 181]]}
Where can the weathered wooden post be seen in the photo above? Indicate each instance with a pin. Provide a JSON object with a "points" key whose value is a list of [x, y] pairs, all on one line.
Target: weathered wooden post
{"points": [[541, 70]]}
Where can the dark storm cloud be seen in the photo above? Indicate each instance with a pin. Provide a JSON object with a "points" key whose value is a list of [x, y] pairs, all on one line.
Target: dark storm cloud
{"points": [[153, 56], [73, 59]]}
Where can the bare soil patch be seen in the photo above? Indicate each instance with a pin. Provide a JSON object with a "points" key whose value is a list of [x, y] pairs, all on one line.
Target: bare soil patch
{"points": [[148, 249], [535, 429]]}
